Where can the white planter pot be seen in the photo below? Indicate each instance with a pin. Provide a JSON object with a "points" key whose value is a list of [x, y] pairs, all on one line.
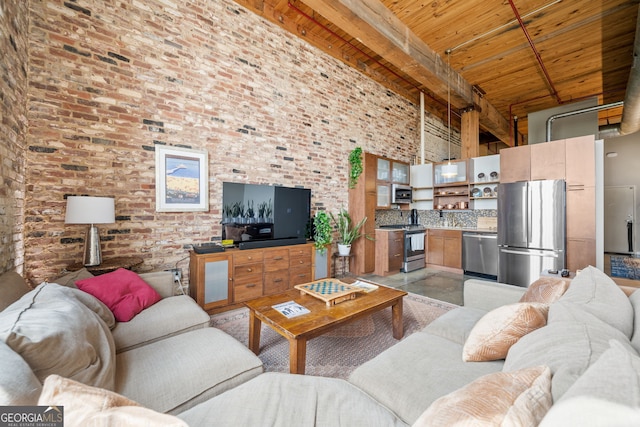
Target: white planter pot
{"points": [[344, 250]]}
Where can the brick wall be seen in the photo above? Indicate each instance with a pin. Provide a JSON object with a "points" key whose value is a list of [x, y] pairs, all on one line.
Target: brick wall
{"points": [[111, 80], [13, 125]]}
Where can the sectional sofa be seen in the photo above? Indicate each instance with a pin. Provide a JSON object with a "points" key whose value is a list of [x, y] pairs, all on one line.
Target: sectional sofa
{"points": [[553, 354]]}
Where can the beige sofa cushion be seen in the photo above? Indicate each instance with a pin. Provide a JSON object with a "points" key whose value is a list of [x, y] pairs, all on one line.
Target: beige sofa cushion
{"points": [[56, 332], [86, 406], [585, 411], [455, 325], [12, 287], [568, 348], [634, 299], [176, 373], [410, 375], [615, 376], [18, 384], [519, 398], [284, 400], [597, 293], [167, 317], [498, 330], [69, 279]]}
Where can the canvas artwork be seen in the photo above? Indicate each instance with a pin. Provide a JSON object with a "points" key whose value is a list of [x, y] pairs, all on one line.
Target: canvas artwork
{"points": [[181, 180]]}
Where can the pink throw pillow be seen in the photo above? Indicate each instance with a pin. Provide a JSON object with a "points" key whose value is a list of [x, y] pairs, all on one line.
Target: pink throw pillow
{"points": [[123, 291]]}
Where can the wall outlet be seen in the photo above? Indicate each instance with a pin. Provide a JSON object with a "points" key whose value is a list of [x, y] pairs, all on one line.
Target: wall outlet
{"points": [[177, 274]]}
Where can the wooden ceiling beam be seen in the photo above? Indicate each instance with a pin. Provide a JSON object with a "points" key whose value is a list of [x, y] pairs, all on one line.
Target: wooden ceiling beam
{"points": [[371, 23]]}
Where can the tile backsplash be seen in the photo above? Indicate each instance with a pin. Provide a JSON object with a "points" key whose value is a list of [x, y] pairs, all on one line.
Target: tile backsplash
{"points": [[434, 218]]}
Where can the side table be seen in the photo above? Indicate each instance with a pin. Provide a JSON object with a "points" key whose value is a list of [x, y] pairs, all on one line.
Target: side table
{"points": [[345, 261], [108, 265]]}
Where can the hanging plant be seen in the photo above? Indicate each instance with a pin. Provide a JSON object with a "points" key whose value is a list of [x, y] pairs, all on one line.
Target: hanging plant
{"points": [[322, 231], [355, 163]]}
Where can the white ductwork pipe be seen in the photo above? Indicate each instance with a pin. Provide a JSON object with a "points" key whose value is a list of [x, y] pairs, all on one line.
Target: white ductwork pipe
{"points": [[422, 144], [631, 113]]}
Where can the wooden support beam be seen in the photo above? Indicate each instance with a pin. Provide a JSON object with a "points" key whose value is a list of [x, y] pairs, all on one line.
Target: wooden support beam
{"points": [[470, 134], [381, 31]]}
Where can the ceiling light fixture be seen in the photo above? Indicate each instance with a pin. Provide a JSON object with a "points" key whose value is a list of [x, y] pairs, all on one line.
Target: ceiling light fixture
{"points": [[449, 170]]}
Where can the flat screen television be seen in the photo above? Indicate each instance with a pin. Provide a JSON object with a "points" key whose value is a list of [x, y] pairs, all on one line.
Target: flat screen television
{"points": [[255, 215]]}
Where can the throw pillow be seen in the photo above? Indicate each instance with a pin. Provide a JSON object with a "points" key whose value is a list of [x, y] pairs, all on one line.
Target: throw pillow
{"points": [[91, 406], [519, 398], [545, 290], [53, 330], [123, 291], [495, 333]]}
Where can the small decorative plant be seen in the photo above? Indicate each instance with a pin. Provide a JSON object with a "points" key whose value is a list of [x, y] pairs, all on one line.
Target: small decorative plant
{"points": [[355, 166], [322, 231], [250, 213], [347, 231], [262, 207]]}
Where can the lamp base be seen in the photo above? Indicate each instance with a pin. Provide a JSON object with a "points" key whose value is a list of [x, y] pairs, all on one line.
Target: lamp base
{"points": [[92, 255]]}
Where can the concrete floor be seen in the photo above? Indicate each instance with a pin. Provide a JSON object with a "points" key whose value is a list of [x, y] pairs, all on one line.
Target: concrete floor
{"points": [[430, 282]]}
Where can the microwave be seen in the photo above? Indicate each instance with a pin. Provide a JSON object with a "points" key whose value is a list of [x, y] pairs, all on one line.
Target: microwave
{"points": [[400, 193]]}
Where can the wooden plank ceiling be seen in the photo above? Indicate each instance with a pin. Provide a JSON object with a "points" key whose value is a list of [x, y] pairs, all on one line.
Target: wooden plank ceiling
{"points": [[508, 57]]}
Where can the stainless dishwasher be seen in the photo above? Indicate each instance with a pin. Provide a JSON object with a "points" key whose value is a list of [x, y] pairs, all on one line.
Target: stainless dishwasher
{"points": [[480, 253]]}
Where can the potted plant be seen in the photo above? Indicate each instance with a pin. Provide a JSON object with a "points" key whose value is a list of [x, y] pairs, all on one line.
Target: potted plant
{"points": [[347, 231], [355, 166], [322, 231]]}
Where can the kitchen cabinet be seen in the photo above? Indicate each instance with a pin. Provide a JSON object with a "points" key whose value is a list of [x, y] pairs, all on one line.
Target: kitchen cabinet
{"points": [[573, 160], [373, 191], [363, 203], [515, 164], [389, 172], [220, 280], [548, 160], [444, 249], [389, 251]]}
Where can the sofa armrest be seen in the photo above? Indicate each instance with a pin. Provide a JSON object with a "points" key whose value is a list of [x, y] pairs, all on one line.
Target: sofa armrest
{"points": [[161, 281], [487, 295]]}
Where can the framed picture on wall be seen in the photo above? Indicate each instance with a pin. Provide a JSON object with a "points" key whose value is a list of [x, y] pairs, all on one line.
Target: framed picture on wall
{"points": [[182, 178]]}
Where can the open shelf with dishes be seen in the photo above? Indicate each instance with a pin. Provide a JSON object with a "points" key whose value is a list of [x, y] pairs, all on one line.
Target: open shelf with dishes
{"points": [[451, 196]]}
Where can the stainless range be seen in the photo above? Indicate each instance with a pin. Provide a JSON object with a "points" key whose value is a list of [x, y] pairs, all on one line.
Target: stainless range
{"points": [[414, 250]]}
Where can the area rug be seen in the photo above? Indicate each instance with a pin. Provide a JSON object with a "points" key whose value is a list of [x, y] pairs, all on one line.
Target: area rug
{"points": [[339, 352]]}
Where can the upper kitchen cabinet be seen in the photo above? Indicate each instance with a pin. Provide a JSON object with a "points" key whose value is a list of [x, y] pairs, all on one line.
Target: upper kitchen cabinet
{"points": [[515, 164], [548, 160], [580, 157], [422, 185], [389, 172]]}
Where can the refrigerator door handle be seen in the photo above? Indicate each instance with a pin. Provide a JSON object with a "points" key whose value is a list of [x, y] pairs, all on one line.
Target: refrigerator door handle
{"points": [[531, 252], [526, 209]]}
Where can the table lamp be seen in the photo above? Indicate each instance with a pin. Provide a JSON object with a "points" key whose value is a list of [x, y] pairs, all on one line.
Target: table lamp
{"points": [[90, 210]]}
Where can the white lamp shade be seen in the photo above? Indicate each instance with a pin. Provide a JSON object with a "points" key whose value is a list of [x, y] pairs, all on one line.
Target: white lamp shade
{"points": [[449, 170], [90, 210]]}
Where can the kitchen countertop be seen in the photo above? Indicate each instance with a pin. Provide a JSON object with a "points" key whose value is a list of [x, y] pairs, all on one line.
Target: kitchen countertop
{"points": [[476, 230]]}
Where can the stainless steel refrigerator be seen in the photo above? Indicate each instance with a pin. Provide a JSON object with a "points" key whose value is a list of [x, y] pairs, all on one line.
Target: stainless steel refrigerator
{"points": [[531, 230]]}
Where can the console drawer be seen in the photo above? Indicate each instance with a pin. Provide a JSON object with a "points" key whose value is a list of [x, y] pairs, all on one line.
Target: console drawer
{"points": [[247, 291], [247, 257], [276, 281], [299, 275], [241, 271], [276, 259]]}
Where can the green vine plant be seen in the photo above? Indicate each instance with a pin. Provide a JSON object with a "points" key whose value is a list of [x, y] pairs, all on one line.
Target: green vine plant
{"points": [[355, 163], [323, 231]]}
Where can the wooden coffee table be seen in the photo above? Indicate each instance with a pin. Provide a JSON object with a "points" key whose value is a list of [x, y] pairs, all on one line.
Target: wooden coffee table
{"points": [[321, 319]]}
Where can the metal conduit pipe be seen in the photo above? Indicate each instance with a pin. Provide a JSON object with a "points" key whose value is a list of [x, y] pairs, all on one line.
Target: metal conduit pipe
{"points": [[576, 112], [630, 122]]}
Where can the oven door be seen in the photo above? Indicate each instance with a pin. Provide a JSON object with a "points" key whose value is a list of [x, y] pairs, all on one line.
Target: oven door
{"points": [[414, 254]]}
